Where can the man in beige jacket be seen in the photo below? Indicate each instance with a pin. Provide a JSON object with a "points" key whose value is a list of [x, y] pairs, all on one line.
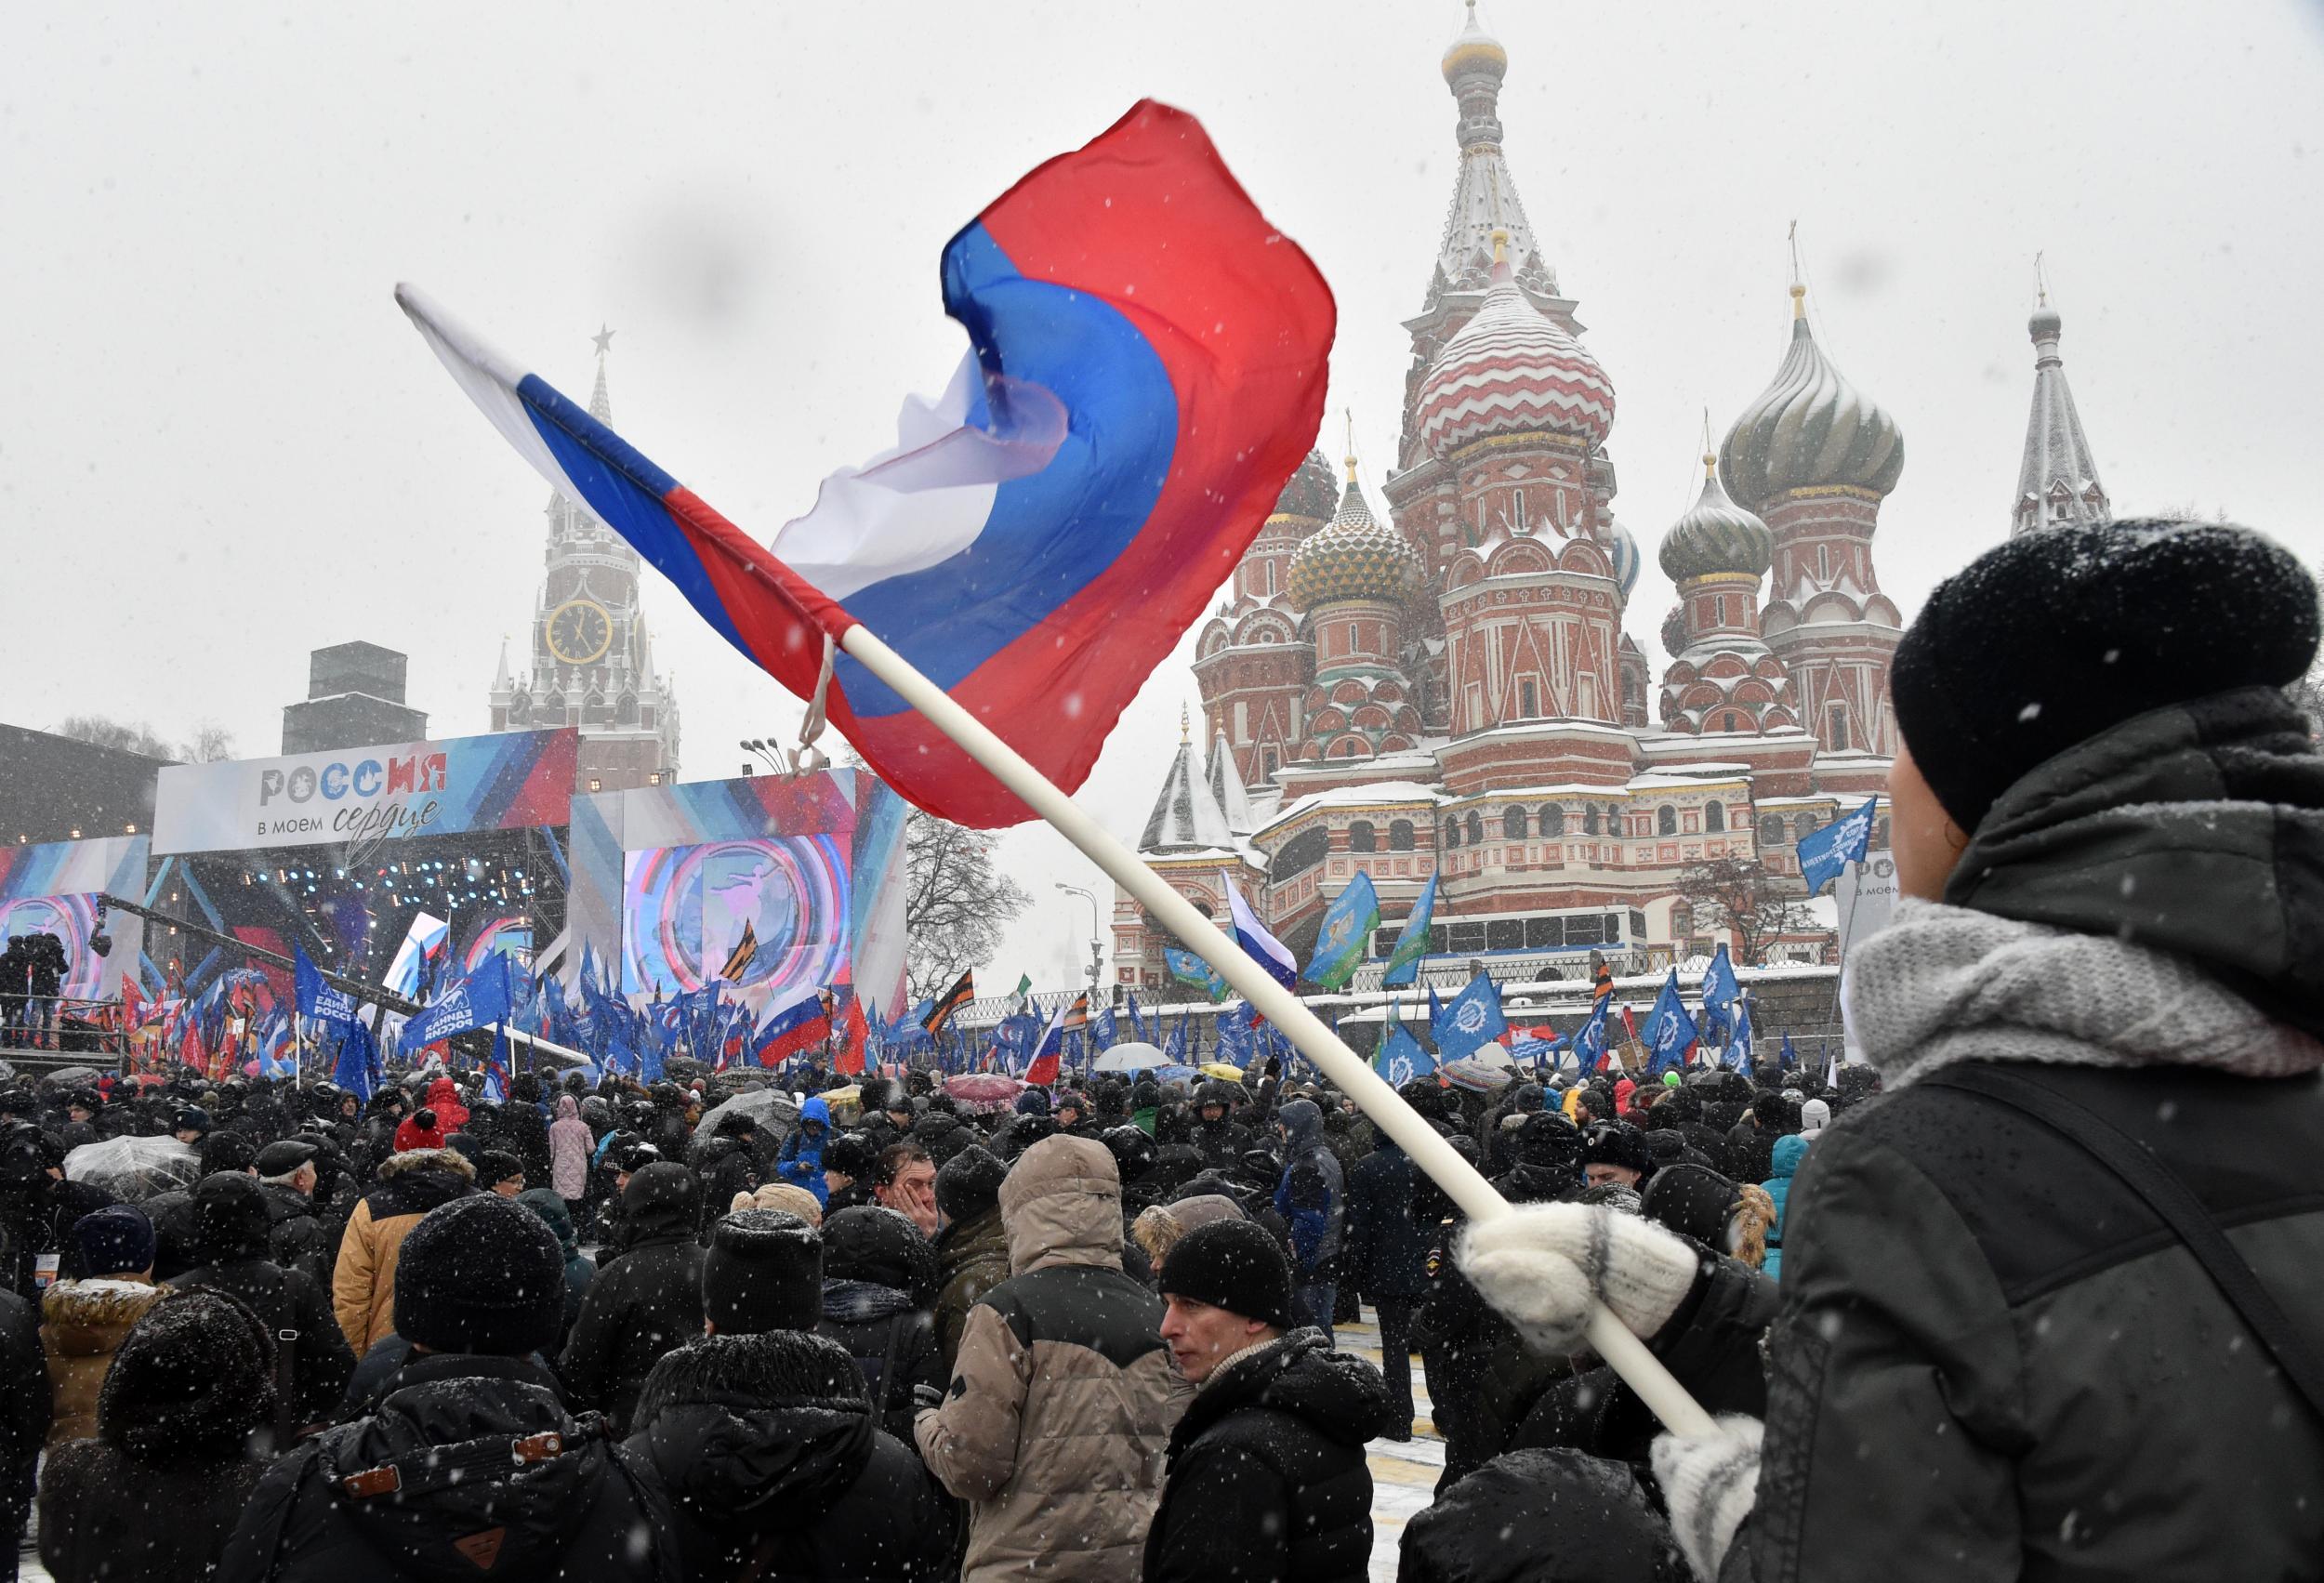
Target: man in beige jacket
{"points": [[1064, 1396], [362, 1281]]}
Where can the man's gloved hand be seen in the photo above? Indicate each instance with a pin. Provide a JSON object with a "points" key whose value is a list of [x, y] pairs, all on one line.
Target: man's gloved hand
{"points": [[1542, 1264], [1709, 1482]]}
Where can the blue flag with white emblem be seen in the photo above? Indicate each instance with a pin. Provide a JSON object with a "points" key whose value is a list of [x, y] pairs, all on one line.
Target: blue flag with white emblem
{"points": [[1670, 1032], [1720, 992], [1827, 851], [1401, 1058], [1470, 1018]]}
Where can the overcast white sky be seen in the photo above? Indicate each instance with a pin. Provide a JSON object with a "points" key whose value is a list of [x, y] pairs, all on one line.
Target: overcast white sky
{"points": [[220, 445]]}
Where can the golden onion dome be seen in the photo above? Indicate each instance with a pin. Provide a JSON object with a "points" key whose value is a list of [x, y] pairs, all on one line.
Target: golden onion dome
{"points": [[1354, 556], [1474, 50]]}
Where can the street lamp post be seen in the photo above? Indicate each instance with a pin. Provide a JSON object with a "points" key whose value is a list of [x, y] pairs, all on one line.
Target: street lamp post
{"points": [[765, 750], [1097, 962]]}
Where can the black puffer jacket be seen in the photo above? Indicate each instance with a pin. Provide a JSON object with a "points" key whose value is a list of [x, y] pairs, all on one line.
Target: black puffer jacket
{"points": [[1266, 1480], [294, 1233], [1543, 1517], [879, 1302], [643, 1302], [1986, 1341], [565, 1502], [766, 1449]]}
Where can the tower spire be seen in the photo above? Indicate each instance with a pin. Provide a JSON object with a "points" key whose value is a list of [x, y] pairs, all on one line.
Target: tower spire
{"points": [[2057, 479], [601, 404], [1485, 198]]}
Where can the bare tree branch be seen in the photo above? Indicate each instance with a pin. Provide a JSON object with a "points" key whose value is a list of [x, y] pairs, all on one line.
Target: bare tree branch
{"points": [[1742, 897]]}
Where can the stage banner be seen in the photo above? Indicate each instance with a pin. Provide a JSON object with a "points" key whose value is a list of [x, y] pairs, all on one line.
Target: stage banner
{"points": [[53, 889], [362, 797], [671, 881]]}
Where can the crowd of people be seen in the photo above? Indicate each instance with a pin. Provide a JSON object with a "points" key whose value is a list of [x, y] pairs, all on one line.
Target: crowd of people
{"points": [[2022, 1297], [894, 1339]]}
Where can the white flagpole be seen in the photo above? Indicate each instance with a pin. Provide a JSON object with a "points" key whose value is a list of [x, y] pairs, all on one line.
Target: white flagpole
{"points": [[1624, 1352]]}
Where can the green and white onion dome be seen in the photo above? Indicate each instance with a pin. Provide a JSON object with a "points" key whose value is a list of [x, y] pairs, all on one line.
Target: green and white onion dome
{"points": [[1810, 429], [1715, 535]]}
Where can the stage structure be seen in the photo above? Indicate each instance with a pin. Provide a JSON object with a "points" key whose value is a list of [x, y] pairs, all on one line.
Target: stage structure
{"points": [[55, 886], [345, 854], [667, 880]]}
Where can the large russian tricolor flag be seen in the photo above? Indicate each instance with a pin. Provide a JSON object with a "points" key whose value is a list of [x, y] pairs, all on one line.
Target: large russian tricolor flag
{"points": [[1146, 367]]}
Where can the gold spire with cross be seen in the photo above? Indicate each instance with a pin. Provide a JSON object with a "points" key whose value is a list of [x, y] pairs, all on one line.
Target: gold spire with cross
{"points": [[1182, 737], [1799, 287]]}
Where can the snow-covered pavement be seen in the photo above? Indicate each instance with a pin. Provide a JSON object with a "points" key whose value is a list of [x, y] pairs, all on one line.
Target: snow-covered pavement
{"points": [[1404, 1473]]}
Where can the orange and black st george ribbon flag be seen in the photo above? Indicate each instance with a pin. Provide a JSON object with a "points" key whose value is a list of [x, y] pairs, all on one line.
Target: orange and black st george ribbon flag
{"points": [[962, 991]]}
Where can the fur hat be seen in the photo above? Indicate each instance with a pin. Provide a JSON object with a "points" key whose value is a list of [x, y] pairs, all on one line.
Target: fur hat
{"points": [[784, 1196], [482, 1274], [1233, 1264], [1032, 1102], [969, 1184], [763, 1271]]}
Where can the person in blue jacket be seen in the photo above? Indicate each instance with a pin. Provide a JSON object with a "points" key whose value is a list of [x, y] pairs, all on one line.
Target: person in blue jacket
{"points": [[800, 1162], [1782, 1161]]}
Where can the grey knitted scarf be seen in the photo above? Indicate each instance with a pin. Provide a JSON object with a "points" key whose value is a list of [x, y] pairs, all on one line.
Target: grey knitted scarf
{"points": [[1941, 984]]}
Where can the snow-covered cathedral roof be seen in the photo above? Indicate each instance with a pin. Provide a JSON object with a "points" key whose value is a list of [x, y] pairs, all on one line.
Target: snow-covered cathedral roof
{"points": [[1186, 817], [2057, 481]]}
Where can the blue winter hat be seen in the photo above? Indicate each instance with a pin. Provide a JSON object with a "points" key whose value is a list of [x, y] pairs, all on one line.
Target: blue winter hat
{"points": [[116, 1240], [1032, 1102]]}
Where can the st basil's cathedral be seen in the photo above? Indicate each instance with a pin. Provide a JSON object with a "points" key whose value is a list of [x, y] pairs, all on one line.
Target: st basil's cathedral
{"points": [[1448, 687]]}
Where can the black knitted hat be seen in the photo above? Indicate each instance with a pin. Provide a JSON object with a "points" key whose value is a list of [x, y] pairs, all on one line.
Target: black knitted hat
{"points": [[1617, 1144], [1236, 1265], [481, 1274], [1692, 1201], [2047, 641], [969, 1184], [762, 1270], [1548, 1142]]}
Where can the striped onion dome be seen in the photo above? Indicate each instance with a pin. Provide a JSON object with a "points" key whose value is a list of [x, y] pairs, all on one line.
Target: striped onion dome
{"points": [[1354, 556], [1715, 535], [1810, 429], [1512, 370], [1624, 549]]}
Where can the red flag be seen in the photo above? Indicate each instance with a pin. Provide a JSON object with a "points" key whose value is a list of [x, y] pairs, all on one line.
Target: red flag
{"points": [[855, 1034]]}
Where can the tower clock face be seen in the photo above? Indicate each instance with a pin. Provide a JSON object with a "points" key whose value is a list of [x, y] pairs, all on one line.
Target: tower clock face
{"points": [[580, 632]]}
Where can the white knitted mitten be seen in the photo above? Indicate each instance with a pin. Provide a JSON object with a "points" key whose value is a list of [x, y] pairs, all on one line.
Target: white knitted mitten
{"points": [[1540, 1264], [1710, 1483]]}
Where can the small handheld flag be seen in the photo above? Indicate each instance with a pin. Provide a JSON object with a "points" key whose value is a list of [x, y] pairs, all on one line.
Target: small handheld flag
{"points": [[1264, 948], [1404, 962], [1147, 368], [1344, 938], [1823, 853], [948, 1004], [1471, 1018], [1719, 990], [1670, 1032], [1187, 967]]}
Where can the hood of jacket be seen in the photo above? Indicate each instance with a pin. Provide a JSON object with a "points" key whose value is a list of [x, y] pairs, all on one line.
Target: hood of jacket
{"points": [[568, 1109], [2195, 832], [817, 1109], [443, 1098], [735, 1424], [446, 1399], [1302, 1127], [545, 1203], [86, 1318], [1784, 1157], [1339, 1396], [972, 1241], [416, 1180], [1062, 1204], [660, 1201]]}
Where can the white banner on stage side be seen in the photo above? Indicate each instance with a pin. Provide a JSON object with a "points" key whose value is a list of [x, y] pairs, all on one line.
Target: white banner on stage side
{"points": [[1865, 894]]}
